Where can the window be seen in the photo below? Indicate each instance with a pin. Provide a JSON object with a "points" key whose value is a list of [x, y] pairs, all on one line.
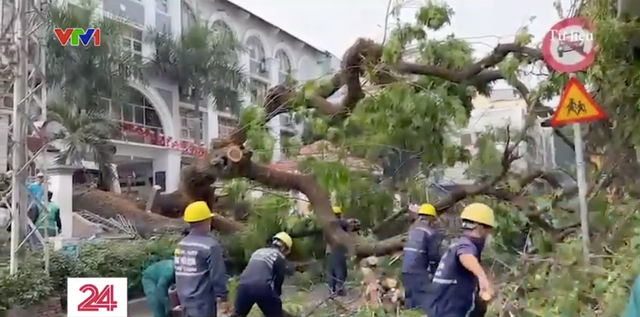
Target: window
{"points": [[221, 28], [466, 140], [305, 69], [162, 6], [137, 112], [192, 124], [286, 121], [257, 60], [284, 66], [257, 90], [225, 126], [132, 40]]}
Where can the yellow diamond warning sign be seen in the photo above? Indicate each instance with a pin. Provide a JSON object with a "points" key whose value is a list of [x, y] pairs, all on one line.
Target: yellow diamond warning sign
{"points": [[576, 105]]}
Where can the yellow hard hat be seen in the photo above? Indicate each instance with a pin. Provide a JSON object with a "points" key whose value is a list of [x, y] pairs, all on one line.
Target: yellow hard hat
{"points": [[479, 213], [427, 209], [285, 238], [197, 211], [337, 210]]}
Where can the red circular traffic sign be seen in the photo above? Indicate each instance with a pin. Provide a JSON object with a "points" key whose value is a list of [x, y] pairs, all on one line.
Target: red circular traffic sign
{"points": [[569, 46]]}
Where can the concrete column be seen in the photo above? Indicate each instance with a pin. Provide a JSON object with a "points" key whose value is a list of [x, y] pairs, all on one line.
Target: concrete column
{"points": [[274, 125], [148, 49], [61, 184], [211, 130], [170, 164], [244, 63], [175, 10]]}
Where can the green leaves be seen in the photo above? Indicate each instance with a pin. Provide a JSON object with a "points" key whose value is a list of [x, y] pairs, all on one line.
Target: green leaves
{"points": [[434, 15], [84, 74], [258, 136], [204, 59]]}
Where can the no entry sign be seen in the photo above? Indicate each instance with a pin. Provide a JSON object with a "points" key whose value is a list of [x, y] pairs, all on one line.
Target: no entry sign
{"points": [[569, 46]]}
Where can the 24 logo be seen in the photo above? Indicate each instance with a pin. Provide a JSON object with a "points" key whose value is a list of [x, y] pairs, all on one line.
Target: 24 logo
{"points": [[97, 297]]}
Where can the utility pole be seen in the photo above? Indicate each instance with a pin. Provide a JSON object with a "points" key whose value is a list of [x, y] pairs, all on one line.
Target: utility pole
{"points": [[22, 50]]}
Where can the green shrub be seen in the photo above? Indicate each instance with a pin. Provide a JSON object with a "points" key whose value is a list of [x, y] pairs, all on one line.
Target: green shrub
{"points": [[111, 259], [28, 287]]}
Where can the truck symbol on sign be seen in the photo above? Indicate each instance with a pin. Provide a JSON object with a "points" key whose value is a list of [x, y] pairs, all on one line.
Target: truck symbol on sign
{"points": [[572, 42]]}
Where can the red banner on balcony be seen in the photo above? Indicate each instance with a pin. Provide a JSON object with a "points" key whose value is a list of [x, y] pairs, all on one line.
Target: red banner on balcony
{"points": [[155, 137]]}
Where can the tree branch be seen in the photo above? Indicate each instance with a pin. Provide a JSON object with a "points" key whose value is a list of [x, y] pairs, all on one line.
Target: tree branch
{"points": [[229, 159]]}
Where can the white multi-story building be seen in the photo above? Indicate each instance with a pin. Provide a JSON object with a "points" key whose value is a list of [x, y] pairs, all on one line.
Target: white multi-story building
{"points": [[504, 107], [158, 112]]}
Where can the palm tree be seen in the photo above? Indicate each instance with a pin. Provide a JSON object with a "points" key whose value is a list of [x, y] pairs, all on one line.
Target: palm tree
{"points": [[85, 134], [80, 77], [84, 74], [203, 60]]}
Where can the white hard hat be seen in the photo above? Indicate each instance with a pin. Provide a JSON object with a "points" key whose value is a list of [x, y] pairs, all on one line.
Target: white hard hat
{"points": [[40, 174]]}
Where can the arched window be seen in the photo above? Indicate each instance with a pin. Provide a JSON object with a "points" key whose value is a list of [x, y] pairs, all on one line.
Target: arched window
{"points": [[140, 121], [226, 35], [188, 17], [222, 28], [284, 66], [257, 60]]}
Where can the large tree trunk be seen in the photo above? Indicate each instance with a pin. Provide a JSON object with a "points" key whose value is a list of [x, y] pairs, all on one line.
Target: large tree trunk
{"points": [[110, 205]]}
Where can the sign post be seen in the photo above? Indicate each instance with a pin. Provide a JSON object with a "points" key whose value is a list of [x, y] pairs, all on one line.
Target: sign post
{"points": [[568, 48]]}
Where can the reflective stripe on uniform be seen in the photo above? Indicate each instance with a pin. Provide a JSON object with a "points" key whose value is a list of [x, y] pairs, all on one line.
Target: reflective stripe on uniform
{"points": [[194, 244], [267, 255], [414, 250], [473, 305], [423, 229], [444, 281], [190, 273]]}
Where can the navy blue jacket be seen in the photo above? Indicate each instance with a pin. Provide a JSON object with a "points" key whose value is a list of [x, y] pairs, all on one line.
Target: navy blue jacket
{"points": [[338, 254], [266, 267], [454, 288], [200, 272], [421, 253]]}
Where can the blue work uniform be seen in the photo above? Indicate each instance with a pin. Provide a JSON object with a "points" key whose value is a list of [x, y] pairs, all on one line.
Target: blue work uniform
{"points": [[261, 283], [201, 275], [420, 257], [337, 260], [156, 281], [36, 193], [454, 288]]}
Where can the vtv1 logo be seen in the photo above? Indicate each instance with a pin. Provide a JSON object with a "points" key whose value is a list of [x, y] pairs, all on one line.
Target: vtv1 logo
{"points": [[77, 36], [97, 297]]}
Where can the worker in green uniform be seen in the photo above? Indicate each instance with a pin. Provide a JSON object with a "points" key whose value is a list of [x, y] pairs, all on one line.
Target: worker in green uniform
{"points": [[52, 224], [156, 281]]}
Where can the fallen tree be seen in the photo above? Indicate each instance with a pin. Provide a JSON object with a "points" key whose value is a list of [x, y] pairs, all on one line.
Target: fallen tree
{"points": [[229, 158]]}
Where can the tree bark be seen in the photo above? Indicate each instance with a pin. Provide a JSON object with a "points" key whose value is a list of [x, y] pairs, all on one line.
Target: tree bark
{"points": [[110, 205]]}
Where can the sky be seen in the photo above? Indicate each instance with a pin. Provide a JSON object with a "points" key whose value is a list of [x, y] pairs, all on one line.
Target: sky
{"points": [[335, 24]]}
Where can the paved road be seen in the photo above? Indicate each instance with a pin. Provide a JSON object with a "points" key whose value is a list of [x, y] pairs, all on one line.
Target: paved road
{"points": [[138, 308]]}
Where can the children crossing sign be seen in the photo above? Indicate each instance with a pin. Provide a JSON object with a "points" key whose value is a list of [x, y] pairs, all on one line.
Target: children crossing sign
{"points": [[576, 105]]}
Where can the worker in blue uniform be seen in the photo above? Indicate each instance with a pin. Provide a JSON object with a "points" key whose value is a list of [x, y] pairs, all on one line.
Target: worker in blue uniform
{"points": [[156, 281], [420, 257], [201, 276], [261, 281], [459, 278], [337, 259]]}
